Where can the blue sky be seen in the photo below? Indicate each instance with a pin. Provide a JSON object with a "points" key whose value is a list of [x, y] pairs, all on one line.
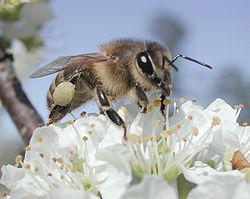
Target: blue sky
{"points": [[217, 33]]}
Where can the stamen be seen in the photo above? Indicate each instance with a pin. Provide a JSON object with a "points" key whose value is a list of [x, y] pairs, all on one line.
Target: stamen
{"points": [[195, 131], [216, 121], [150, 109], [165, 133], [84, 138], [190, 117], [70, 122], [245, 124], [157, 103], [41, 155], [167, 102], [27, 148], [39, 138], [18, 160], [182, 100], [27, 166]]}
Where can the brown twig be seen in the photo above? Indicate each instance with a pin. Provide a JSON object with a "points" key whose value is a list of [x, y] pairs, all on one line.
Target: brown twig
{"points": [[15, 100]]}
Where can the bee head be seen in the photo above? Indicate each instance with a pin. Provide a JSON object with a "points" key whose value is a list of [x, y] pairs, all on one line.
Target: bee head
{"points": [[155, 65]]}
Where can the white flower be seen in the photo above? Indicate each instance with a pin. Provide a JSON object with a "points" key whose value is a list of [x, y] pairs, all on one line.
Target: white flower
{"points": [[89, 157], [228, 137], [32, 18], [68, 156], [214, 184], [10, 4], [187, 133], [24, 60]]}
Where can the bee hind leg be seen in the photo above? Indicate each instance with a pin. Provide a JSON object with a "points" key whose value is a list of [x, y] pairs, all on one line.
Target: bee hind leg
{"points": [[57, 113], [111, 113]]}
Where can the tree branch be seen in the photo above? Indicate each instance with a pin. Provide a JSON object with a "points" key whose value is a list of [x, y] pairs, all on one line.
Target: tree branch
{"points": [[15, 100]]}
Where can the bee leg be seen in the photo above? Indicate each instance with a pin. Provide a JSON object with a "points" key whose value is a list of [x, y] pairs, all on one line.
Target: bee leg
{"points": [[142, 98], [57, 113], [163, 107], [111, 113]]}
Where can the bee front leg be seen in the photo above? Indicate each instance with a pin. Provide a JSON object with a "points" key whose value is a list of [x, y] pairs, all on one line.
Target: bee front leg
{"points": [[142, 98], [111, 113]]}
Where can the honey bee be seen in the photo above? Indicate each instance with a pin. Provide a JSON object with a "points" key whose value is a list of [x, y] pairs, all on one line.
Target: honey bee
{"points": [[123, 67]]}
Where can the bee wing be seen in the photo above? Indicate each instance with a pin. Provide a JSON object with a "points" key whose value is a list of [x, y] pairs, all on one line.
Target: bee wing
{"points": [[76, 61]]}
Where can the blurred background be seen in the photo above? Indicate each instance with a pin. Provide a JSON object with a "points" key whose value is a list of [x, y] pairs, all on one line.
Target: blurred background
{"points": [[215, 32]]}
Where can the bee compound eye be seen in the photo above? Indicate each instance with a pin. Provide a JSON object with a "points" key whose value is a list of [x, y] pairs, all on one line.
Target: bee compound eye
{"points": [[144, 63]]}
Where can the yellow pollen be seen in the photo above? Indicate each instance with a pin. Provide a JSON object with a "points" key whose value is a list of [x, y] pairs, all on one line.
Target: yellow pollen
{"points": [[167, 102], [178, 126], [182, 100], [157, 103], [90, 132], [245, 124], [54, 159], [195, 131], [150, 109], [62, 177], [27, 148], [239, 106], [39, 138], [18, 159], [216, 121], [61, 167], [84, 138], [36, 169], [14, 2], [165, 133], [147, 138], [165, 148], [41, 155], [83, 114], [125, 110], [27, 166], [134, 138], [153, 138], [60, 160], [70, 122], [157, 122], [190, 117], [92, 125]]}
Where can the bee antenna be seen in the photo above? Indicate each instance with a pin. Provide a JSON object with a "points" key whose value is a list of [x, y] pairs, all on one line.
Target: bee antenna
{"points": [[190, 59], [171, 63]]}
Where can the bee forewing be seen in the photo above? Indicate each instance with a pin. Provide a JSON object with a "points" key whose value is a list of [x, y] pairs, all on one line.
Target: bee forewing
{"points": [[68, 61]]}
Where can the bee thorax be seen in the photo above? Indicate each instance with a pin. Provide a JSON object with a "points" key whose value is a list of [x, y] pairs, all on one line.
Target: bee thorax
{"points": [[63, 94]]}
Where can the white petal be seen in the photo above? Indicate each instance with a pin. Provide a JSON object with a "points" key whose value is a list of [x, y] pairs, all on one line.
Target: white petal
{"points": [[117, 174], [10, 176], [202, 173], [227, 189], [151, 187], [66, 193], [223, 110]]}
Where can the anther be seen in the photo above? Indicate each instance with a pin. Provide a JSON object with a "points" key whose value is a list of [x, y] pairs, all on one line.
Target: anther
{"points": [[245, 124], [39, 138], [84, 138], [216, 121], [27, 148], [157, 103]]}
